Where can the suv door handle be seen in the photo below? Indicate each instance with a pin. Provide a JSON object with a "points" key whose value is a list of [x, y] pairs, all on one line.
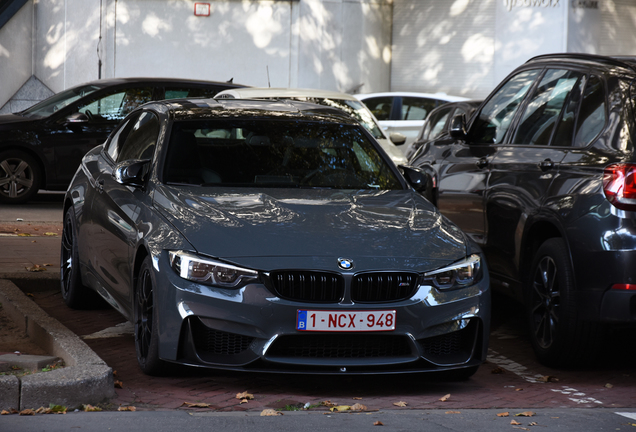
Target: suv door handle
{"points": [[546, 165], [482, 163]]}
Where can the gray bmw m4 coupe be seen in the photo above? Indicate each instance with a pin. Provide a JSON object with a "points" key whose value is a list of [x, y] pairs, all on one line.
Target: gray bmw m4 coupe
{"points": [[270, 236]]}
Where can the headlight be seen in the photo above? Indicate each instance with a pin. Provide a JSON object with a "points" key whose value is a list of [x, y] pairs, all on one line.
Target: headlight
{"points": [[209, 272], [463, 273]]}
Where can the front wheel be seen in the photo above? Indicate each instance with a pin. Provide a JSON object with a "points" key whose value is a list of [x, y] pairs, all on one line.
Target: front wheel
{"points": [[74, 293], [20, 177], [560, 336], [146, 322]]}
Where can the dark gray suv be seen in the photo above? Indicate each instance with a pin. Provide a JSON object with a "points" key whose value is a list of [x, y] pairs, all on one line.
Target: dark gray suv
{"points": [[542, 176]]}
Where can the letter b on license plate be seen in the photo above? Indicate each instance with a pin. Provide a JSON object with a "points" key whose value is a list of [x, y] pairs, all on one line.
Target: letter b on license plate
{"points": [[349, 321]]}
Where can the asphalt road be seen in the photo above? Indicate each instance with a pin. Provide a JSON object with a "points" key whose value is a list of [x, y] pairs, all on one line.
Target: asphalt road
{"points": [[511, 379]]}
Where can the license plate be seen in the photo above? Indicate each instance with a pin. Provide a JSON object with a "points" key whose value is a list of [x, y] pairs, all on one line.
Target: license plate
{"points": [[347, 321]]}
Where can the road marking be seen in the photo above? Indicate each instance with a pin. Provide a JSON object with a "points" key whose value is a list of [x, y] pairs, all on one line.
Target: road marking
{"points": [[123, 329], [628, 415], [523, 372]]}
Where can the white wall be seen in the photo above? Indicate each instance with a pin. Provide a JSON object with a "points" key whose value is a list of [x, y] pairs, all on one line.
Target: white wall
{"points": [[15, 52], [444, 46]]}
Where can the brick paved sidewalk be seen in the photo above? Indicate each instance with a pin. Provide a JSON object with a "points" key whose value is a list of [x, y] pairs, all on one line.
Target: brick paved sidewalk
{"points": [[603, 387]]}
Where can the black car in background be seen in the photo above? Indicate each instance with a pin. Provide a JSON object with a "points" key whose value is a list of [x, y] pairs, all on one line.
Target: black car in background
{"points": [[543, 179], [42, 146], [438, 122]]}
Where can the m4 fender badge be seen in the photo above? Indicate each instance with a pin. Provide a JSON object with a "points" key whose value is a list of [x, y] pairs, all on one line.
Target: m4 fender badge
{"points": [[345, 263]]}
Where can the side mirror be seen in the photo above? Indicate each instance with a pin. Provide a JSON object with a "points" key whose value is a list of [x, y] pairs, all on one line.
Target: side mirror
{"points": [[458, 127], [397, 138], [77, 117], [417, 178], [131, 172]]}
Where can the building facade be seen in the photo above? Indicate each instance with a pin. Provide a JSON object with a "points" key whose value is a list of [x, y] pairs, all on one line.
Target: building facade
{"points": [[460, 47]]}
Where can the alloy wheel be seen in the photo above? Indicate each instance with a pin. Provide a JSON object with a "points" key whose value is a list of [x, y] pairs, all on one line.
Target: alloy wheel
{"points": [[546, 300], [16, 177], [144, 318]]}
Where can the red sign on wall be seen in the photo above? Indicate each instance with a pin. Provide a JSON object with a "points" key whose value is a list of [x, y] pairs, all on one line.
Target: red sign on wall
{"points": [[202, 9]]}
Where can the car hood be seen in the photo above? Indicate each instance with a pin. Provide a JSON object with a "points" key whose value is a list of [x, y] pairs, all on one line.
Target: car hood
{"points": [[8, 120], [297, 228]]}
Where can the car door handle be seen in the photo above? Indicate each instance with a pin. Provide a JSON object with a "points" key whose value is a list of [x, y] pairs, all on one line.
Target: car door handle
{"points": [[482, 163], [546, 165]]}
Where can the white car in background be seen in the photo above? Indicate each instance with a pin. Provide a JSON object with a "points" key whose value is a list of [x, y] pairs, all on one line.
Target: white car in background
{"points": [[404, 112], [343, 101]]}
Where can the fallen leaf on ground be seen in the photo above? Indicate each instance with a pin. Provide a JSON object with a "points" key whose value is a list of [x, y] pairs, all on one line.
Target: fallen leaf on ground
{"points": [[503, 414], [358, 407], [514, 422], [243, 401], [196, 405], [378, 423], [119, 384], [127, 408], [90, 408], [328, 404], [518, 389], [400, 404], [24, 235], [27, 412], [340, 408], [50, 234], [608, 385], [36, 268], [4, 412], [244, 395], [356, 398], [525, 414], [445, 398], [548, 378], [270, 412], [497, 370], [453, 412], [533, 424]]}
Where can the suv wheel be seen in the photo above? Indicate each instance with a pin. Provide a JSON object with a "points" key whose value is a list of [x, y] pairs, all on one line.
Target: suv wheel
{"points": [[558, 334], [19, 177]]}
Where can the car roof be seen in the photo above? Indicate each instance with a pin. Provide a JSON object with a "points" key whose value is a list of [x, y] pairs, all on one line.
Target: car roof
{"points": [[194, 108], [107, 82], [279, 92], [628, 62], [440, 95]]}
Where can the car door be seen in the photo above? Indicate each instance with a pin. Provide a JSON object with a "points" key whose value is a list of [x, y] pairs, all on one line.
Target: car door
{"points": [[465, 168], [115, 208], [524, 168], [87, 124]]}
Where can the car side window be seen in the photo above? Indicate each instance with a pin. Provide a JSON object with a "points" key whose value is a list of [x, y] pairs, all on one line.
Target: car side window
{"points": [[380, 107], [141, 141], [592, 114], [542, 112], [116, 105], [184, 92], [494, 119], [435, 124], [414, 108]]}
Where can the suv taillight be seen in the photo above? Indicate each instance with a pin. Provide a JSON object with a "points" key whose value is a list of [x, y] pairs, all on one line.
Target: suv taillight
{"points": [[619, 185]]}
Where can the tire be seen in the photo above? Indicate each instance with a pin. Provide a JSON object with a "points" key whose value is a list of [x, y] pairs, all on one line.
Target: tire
{"points": [[146, 322], [560, 337], [74, 293], [20, 177]]}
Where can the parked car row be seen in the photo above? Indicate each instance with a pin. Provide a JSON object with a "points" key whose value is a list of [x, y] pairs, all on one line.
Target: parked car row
{"points": [[283, 230]]}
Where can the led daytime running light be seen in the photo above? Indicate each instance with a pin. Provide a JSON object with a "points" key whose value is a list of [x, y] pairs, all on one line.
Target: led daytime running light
{"points": [[201, 270]]}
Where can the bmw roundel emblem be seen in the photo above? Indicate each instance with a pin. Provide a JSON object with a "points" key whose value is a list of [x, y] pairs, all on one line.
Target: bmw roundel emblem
{"points": [[345, 263]]}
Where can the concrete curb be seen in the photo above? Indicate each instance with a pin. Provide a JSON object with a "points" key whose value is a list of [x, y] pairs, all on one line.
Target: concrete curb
{"points": [[86, 379]]}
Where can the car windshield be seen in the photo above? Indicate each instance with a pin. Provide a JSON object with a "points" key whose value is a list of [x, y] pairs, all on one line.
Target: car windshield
{"points": [[275, 153], [58, 101]]}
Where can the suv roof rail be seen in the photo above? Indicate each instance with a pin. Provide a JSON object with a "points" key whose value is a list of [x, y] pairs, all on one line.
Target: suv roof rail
{"points": [[623, 61]]}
